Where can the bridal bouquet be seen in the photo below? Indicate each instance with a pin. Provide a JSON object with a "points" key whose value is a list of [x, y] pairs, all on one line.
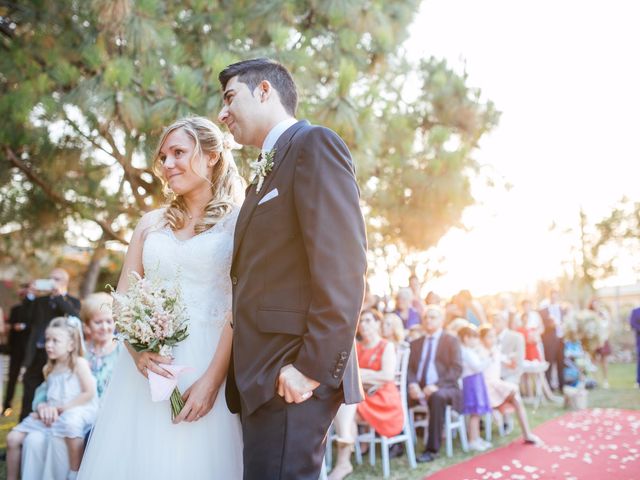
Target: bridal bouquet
{"points": [[153, 319]]}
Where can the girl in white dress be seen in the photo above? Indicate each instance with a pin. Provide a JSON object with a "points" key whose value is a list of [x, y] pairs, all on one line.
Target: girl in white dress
{"points": [[189, 243], [71, 405]]}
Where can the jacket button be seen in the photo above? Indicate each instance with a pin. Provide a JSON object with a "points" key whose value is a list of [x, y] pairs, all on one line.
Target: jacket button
{"points": [[335, 375], [343, 355], [234, 280]]}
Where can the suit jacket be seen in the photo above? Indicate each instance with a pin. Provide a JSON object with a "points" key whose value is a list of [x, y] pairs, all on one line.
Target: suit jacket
{"points": [[43, 310], [298, 271], [20, 313], [513, 345], [448, 362]]}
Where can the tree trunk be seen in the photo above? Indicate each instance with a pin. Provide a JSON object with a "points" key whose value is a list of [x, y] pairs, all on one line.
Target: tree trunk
{"points": [[93, 270]]}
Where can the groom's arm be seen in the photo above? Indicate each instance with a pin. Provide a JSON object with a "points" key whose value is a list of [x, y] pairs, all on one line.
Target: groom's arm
{"points": [[327, 201]]}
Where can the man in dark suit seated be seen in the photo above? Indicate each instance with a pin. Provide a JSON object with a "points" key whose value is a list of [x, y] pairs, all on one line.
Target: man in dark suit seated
{"points": [[435, 366], [56, 303]]}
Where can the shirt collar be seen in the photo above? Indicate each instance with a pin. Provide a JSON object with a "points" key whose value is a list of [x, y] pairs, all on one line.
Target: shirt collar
{"points": [[436, 335], [276, 132]]}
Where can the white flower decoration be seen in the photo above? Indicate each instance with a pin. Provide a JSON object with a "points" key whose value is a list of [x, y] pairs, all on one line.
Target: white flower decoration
{"points": [[261, 167]]}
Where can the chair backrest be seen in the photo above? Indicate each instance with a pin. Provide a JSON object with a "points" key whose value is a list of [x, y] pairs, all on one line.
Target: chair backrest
{"points": [[402, 365]]}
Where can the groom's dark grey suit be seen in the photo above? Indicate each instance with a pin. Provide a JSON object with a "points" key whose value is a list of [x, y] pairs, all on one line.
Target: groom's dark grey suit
{"points": [[298, 275]]}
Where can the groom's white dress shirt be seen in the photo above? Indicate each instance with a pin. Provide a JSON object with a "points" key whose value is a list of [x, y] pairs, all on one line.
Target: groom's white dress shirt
{"points": [[275, 132]]}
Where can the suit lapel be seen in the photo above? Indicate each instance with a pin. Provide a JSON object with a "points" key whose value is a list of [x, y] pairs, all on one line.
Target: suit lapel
{"points": [[252, 197], [438, 351]]}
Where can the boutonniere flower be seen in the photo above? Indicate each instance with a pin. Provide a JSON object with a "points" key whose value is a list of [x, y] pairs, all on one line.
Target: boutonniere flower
{"points": [[261, 167]]}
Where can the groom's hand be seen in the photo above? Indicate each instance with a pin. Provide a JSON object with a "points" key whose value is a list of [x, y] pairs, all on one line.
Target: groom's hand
{"points": [[294, 386]]}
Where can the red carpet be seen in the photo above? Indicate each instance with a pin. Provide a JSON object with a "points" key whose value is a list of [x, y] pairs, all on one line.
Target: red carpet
{"points": [[598, 444]]}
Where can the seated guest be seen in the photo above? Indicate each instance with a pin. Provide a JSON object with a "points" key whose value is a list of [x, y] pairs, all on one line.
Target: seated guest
{"points": [[404, 310], [392, 329], [474, 391], [511, 346], [529, 324], [432, 298], [435, 367], [101, 352], [503, 393], [454, 326], [452, 311], [68, 413], [471, 308], [102, 349], [382, 406], [531, 337]]}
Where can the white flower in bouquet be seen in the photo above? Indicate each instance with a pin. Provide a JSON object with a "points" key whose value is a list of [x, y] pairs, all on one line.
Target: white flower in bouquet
{"points": [[151, 318]]}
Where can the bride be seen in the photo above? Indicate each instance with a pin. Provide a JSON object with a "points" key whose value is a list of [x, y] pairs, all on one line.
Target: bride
{"points": [[189, 242]]}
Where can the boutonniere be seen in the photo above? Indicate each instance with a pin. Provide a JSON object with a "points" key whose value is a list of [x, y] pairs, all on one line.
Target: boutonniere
{"points": [[261, 167]]}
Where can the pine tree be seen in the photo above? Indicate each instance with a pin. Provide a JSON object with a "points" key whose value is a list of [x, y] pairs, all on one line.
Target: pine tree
{"points": [[86, 88]]}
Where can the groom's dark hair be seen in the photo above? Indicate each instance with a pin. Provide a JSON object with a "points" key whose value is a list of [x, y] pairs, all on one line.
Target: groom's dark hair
{"points": [[252, 72]]}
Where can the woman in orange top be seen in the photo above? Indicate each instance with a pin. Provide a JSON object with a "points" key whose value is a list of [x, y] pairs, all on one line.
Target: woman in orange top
{"points": [[382, 406]]}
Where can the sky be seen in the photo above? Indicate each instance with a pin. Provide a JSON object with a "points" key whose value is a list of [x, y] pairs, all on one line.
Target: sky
{"points": [[566, 77]]}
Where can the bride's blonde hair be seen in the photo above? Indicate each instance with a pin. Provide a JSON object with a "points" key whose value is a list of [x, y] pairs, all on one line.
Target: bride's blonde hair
{"points": [[225, 180]]}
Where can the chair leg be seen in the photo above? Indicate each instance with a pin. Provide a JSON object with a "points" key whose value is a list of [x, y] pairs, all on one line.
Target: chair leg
{"points": [[372, 447], [412, 425], [411, 453], [463, 435], [425, 434], [384, 451], [488, 422], [509, 420], [500, 421], [328, 454], [358, 452]]}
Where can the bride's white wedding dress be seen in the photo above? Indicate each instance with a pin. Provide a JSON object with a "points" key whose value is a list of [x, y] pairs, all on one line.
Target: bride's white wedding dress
{"points": [[134, 437]]}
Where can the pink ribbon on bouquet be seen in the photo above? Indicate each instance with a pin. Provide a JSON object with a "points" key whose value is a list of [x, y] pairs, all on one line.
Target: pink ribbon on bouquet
{"points": [[161, 387]]}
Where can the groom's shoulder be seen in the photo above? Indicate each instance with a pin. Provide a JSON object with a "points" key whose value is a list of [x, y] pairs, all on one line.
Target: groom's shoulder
{"points": [[314, 136], [318, 132]]}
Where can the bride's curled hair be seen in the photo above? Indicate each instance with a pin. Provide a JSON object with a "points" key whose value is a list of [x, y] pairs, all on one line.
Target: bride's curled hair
{"points": [[226, 183]]}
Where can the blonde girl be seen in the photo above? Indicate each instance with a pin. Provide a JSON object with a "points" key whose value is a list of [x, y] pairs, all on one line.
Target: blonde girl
{"points": [[70, 409]]}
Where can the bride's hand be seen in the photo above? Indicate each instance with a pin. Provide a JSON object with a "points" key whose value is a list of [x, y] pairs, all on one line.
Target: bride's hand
{"points": [[149, 361], [198, 400]]}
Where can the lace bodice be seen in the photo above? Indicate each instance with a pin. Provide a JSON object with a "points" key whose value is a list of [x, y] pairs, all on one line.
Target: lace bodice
{"points": [[200, 265]]}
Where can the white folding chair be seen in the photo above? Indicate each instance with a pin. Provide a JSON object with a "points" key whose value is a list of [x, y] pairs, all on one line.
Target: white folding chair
{"points": [[454, 422], [504, 418], [423, 422], [405, 436]]}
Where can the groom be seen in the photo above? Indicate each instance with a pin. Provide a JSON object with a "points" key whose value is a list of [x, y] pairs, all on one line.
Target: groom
{"points": [[298, 275]]}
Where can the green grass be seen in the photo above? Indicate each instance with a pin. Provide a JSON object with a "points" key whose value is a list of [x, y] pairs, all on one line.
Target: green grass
{"points": [[623, 393]]}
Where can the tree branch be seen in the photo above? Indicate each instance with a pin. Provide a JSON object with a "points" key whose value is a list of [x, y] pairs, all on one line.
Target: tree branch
{"points": [[86, 137], [59, 199]]}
